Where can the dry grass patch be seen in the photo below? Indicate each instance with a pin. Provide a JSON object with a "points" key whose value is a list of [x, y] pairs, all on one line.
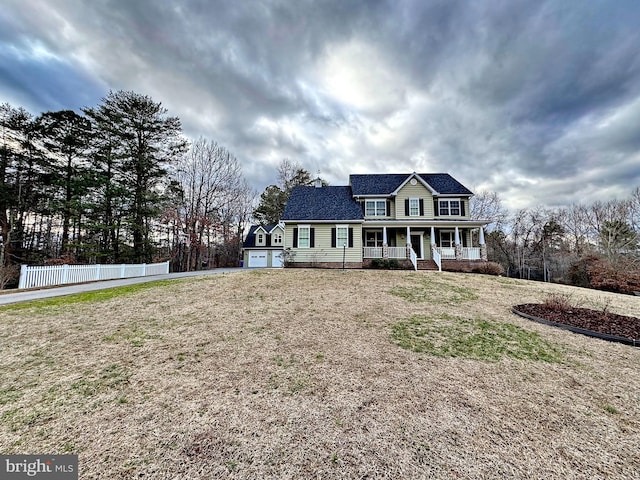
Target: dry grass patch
{"points": [[296, 374]]}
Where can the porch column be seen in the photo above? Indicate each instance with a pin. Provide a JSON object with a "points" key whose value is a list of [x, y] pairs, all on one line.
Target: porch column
{"points": [[433, 238], [458, 246], [483, 246], [385, 244], [408, 241]]}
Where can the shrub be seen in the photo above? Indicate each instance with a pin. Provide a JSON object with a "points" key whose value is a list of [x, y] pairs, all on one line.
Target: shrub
{"points": [[489, 268], [602, 274], [558, 302], [578, 273], [385, 264]]}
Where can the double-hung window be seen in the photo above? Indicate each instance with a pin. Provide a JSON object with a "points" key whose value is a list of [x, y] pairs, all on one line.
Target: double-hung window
{"points": [[260, 239], [375, 208], [446, 239], [342, 236], [304, 236], [414, 207], [277, 238], [449, 207]]}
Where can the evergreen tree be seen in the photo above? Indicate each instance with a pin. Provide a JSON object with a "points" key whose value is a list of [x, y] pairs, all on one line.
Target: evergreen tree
{"points": [[65, 135], [148, 140]]}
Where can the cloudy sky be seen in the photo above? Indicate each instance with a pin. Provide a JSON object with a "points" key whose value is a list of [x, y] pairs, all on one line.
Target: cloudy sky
{"points": [[537, 100]]}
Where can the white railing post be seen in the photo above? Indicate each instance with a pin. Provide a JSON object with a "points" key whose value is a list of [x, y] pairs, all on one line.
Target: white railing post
{"points": [[98, 271], [65, 273], [144, 269], [122, 270], [166, 269], [23, 277]]}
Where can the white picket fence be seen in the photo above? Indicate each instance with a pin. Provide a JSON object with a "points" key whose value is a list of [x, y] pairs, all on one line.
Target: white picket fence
{"points": [[37, 276]]}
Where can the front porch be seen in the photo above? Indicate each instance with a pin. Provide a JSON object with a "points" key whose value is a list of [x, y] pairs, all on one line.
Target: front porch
{"points": [[446, 253], [425, 243]]}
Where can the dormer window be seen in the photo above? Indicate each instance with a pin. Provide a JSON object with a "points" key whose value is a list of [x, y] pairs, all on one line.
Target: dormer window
{"points": [[375, 208], [260, 238], [277, 238]]}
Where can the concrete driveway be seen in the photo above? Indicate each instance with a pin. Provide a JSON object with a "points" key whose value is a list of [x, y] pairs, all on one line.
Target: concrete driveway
{"points": [[23, 296]]}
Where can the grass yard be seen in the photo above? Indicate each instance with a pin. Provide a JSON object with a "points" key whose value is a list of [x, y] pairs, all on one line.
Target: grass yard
{"points": [[320, 374]]}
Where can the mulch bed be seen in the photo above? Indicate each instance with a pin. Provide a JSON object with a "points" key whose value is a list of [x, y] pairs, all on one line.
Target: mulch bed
{"points": [[593, 321]]}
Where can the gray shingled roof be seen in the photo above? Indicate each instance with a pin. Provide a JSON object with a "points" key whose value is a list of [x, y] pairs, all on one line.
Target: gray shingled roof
{"points": [[324, 203], [384, 184], [250, 239]]}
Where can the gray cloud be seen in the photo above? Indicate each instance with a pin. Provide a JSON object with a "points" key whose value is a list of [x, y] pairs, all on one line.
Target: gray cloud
{"points": [[539, 101]]}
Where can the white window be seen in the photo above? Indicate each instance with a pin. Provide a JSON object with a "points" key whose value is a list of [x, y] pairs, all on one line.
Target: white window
{"points": [[342, 236], [373, 239], [447, 239], [449, 207], [304, 236], [260, 239], [375, 208], [277, 238], [414, 207]]}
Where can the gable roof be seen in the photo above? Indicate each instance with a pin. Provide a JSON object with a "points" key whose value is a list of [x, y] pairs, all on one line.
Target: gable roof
{"points": [[324, 203], [386, 184], [250, 239]]}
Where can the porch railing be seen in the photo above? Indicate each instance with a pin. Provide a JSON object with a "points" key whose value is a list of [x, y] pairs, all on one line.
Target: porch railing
{"points": [[414, 258], [468, 253], [372, 252], [392, 252], [471, 253], [446, 253], [436, 258], [397, 252]]}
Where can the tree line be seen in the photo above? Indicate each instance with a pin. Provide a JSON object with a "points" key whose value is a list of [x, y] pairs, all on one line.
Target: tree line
{"points": [[116, 183], [579, 244]]}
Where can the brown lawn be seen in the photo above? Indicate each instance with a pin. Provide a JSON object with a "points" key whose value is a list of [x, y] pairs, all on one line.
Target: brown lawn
{"points": [[298, 374]]}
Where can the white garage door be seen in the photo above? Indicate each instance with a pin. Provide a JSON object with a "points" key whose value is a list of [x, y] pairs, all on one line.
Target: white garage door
{"points": [[277, 259], [258, 258]]}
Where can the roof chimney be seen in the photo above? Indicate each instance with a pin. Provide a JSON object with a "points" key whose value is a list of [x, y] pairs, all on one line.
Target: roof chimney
{"points": [[317, 182]]}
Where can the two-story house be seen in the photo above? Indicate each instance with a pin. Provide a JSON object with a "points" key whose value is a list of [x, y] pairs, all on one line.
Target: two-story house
{"points": [[263, 246], [419, 219]]}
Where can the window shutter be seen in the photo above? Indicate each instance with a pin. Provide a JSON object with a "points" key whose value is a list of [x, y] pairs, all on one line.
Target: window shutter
{"points": [[406, 207], [351, 238], [363, 205], [333, 238], [462, 207], [388, 203], [463, 234], [436, 210], [422, 207], [295, 238], [312, 236]]}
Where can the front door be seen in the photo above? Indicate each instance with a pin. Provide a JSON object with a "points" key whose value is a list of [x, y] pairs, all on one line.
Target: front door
{"points": [[416, 244]]}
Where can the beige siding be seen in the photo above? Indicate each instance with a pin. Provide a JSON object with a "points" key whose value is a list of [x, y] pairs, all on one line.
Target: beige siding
{"points": [[414, 191], [322, 251]]}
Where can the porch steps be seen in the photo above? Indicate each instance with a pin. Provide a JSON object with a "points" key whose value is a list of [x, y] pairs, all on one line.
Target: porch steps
{"points": [[427, 265]]}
